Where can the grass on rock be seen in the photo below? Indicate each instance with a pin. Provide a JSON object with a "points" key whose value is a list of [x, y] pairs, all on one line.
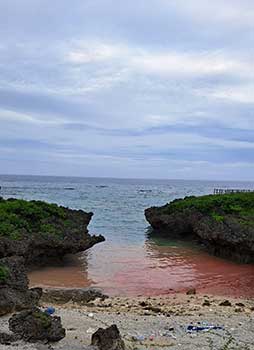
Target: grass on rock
{"points": [[43, 318], [240, 205], [19, 218], [4, 273]]}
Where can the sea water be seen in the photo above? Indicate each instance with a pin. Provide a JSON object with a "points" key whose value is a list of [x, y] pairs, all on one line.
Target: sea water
{"points": [[131, 261]]}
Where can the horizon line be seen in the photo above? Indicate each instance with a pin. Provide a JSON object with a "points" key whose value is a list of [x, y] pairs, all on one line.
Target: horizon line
{"points": [[124, 178]]}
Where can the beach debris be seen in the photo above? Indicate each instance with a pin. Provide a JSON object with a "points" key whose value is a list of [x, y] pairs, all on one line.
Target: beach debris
{"points": [[50, 310], [108, 339], [164, 333], [91, 315], [225, 303], [202, 327], [139, 338], [35, 325], [71, 329], [191, 291]]}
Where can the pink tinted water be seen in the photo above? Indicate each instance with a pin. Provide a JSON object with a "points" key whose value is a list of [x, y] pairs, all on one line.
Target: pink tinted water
{"points": [[148, 270]]}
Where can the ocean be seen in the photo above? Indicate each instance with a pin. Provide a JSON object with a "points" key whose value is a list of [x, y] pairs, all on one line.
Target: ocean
{"points": [[131, 262]]}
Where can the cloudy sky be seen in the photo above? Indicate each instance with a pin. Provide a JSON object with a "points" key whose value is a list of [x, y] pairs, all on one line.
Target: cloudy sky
{"points": [[144, 88]]}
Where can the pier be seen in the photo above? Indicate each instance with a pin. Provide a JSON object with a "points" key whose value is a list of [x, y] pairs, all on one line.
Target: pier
{"points": [[228, 191]]}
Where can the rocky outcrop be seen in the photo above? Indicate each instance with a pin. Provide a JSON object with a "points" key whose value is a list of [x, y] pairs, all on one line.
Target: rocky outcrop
{"points": [[108, 339], [14, 291], [35, 325], [223, 223], [38, 231], [33, 233]]}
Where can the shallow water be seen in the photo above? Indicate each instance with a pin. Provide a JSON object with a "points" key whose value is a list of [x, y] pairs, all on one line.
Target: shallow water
{"points": [[130, 262]]}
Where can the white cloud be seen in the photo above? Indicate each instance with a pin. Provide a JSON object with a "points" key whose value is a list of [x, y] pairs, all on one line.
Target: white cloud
{"points": [[130, 87], [92, 50], [88, 51], [187, 64], [229, 12], [243, 93], [12, 116], [172, 63]]}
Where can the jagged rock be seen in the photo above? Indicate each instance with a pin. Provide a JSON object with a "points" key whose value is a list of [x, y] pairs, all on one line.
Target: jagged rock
{"points": [[14, 291], [34, 325], [33, 233], [62, 296], [43, 231], [7, 338], [108, 339], [224, 224]]}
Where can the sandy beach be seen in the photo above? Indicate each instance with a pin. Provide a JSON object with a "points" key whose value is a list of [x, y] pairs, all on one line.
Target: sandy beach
{"points": [[156, 323]]}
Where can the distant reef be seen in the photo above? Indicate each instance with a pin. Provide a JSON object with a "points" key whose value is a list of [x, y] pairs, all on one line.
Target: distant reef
{"points": [[33, 232], [223, 223]]}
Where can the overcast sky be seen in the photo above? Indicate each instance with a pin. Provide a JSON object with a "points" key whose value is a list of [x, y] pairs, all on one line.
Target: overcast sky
{"points": [[144, 88]]}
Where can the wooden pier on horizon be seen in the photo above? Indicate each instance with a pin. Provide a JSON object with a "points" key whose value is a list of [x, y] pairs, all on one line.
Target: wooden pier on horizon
{"points": [[228, 191]]}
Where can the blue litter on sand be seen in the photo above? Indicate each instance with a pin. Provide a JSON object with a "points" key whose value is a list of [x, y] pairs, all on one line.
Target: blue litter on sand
{"points": [[50, 310], [139, 338], [191, 328]]}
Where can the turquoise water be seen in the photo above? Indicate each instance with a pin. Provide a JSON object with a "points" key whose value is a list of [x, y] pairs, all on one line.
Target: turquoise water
{"points": [[128, 253]]}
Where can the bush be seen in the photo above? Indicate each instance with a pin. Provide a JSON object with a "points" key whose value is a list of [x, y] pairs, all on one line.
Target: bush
{"points": [[20, 217], [4, 273], [240, 205]]}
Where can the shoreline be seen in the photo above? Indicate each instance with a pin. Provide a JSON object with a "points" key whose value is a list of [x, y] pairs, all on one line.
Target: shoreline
{"points": [[173, 304], [156, 323], [175, 320]]}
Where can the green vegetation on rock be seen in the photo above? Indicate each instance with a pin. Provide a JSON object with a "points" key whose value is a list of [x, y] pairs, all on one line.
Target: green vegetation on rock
{"points": [[217, 217], [4, 273], [20, 217], [239, 205], [43, 318], [224, 223]]}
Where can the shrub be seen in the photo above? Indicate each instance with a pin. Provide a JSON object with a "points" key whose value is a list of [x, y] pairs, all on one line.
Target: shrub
{"points": [[20, 217], [240, 205], [4, 273]]}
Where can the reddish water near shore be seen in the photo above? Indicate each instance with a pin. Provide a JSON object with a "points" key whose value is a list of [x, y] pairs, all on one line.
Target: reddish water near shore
{"points": [[131, 262], [153, 269]]}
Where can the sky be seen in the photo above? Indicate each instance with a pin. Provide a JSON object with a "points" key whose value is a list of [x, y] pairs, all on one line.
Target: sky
{"points": [[140, 89]]}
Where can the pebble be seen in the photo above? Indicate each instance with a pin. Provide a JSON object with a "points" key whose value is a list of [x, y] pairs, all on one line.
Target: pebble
{"points": [[91, 331], [225, 303], [191, 291]]}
